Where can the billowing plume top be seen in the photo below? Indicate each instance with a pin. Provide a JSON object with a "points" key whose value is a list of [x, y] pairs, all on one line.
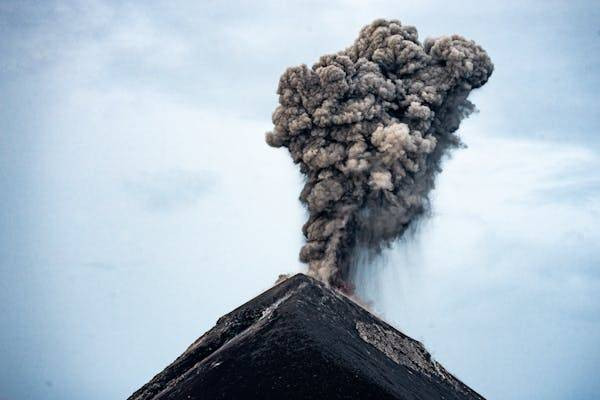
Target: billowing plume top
{"points": [[368, 127]]}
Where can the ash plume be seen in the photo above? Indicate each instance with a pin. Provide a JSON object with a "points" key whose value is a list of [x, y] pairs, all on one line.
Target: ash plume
{"points": [[368, 127]]}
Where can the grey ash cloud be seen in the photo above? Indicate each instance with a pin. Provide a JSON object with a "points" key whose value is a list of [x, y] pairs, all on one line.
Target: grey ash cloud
{"points": [[368, 127]]}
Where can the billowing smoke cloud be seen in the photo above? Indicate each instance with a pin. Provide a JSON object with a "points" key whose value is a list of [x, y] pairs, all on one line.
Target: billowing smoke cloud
{"points": [[368, 127]]}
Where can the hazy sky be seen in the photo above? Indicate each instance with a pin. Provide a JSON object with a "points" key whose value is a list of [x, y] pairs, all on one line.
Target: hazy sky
{"points": [[140, 202]]}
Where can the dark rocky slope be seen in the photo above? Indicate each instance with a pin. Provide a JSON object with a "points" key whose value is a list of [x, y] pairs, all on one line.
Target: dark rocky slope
{"points": [[302, 340]]}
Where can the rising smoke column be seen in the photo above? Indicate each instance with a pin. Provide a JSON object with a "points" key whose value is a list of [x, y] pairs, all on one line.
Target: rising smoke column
{"points": [[368, 127]]}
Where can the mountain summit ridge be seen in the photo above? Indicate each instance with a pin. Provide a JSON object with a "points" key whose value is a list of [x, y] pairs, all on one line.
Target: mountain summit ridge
{"points": [[302, 340]]}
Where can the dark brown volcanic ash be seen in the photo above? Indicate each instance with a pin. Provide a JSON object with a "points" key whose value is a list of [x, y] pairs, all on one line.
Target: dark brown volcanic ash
{"points": [[368, 127], [302, 340]]}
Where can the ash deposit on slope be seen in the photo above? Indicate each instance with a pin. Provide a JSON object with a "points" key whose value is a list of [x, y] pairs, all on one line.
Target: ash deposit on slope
{"points": [[368, 127]]}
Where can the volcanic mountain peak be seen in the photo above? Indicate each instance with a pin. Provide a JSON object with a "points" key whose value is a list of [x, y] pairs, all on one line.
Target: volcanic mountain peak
{"points": [[303, 340]]}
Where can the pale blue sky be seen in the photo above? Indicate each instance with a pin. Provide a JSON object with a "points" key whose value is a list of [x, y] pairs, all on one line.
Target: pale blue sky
{"points": [[140, 203]]}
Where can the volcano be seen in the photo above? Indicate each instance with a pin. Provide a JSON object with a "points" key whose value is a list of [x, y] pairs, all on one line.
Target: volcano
{"points": [[302, 340]]}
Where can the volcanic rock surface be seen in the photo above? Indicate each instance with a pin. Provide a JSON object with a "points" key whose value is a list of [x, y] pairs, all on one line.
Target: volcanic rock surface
{"points": [[302, 340]]}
